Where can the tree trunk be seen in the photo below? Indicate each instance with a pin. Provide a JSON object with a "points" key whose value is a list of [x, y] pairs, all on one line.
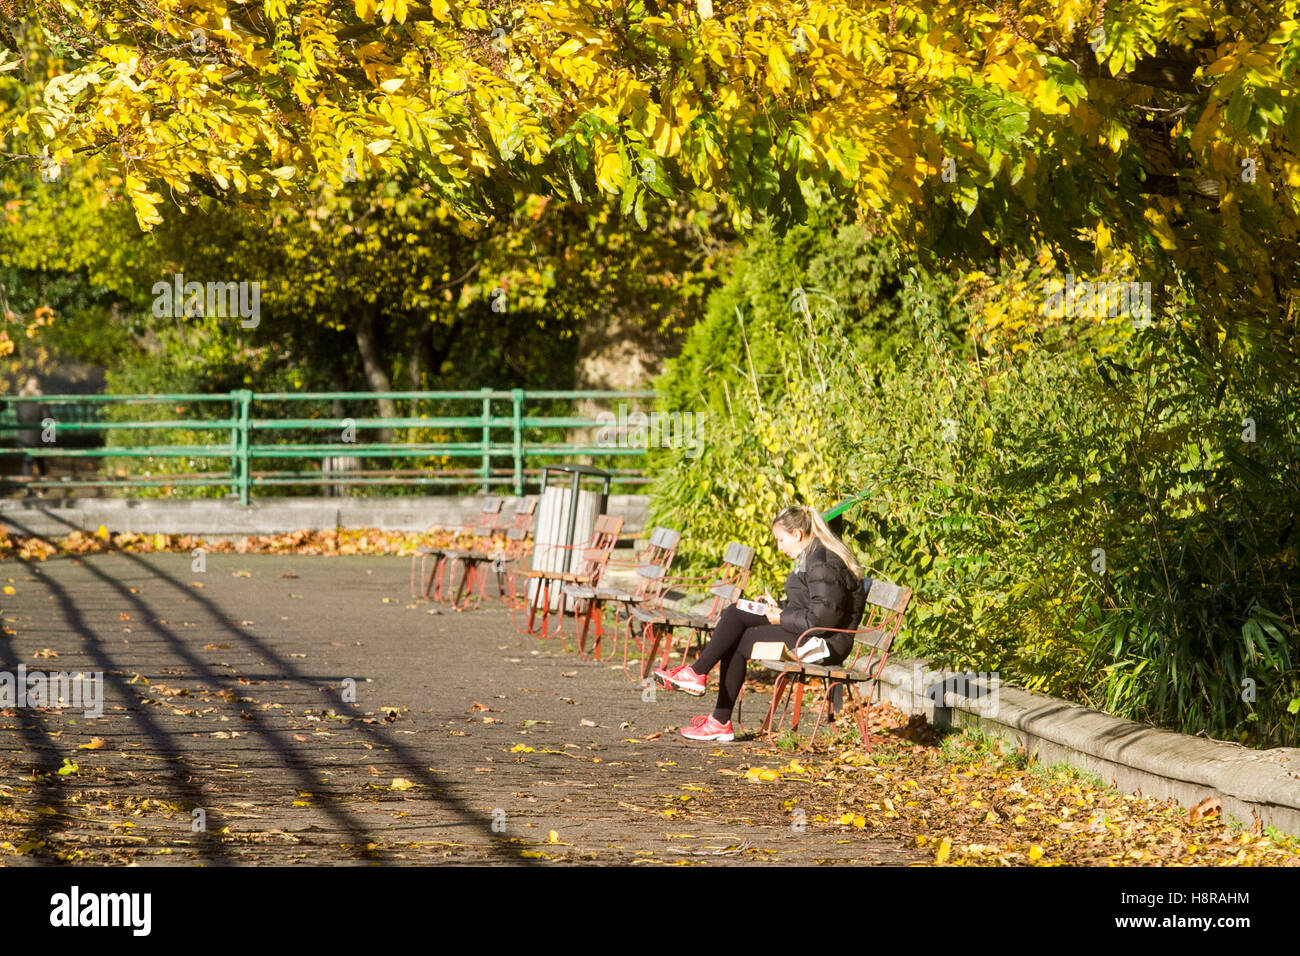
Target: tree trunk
{"points": [[376, 378], [419, 347]]}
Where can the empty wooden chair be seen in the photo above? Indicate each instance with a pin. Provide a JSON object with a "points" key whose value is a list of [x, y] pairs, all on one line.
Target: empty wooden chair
{"points": [[657, 622], [655, 559], [591, 557], [506, 541], [478, 530]]}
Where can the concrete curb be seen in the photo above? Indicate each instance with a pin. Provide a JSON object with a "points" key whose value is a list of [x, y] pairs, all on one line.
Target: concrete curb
{"points": [[1135, 758], [222, 518]]}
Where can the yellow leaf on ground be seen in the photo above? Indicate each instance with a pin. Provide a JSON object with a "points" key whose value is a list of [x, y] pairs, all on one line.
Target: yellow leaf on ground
{"points": [[945, 848]]}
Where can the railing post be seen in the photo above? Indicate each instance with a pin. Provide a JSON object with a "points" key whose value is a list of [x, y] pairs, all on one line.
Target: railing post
{"points": [[517, 438], [487, 440], [245, 406], [234, 443]]}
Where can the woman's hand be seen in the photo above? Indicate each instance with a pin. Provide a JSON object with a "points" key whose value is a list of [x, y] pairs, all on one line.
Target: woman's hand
{"points": [[774, 612]]}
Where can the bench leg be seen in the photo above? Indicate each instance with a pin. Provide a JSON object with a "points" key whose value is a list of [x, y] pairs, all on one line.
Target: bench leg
{"points": [[649, 649], [827, 709], [777, 688], [425, 582], [783, 687], [861, 714], [629, 639], [467, 569], [477, 583], [594, 611], [669, 640], [436, 578], [541, 601]]}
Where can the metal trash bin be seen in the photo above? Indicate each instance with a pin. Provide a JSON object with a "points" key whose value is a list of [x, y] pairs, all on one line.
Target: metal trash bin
{"points": [[566, 515]]}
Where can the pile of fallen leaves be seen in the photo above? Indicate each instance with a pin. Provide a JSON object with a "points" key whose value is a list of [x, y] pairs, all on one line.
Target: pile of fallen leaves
{"points": [[972, 802], [332, 542]]}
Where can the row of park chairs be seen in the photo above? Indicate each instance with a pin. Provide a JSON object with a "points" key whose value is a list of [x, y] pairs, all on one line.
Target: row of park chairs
{"points": [[658, 610]]}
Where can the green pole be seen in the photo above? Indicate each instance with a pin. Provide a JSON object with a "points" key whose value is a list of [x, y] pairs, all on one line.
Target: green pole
{"points": [[517, 397], [234, 443], [487, 439], [245, 406]]}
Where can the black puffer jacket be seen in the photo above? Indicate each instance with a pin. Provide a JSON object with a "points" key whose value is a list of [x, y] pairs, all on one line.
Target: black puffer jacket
{"points": [[823, 592]]}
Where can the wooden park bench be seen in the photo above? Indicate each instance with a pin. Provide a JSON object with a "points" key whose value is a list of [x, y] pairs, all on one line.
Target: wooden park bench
{"points": [[885, 606], [592, 556], [479, 529], [658, 622], [501, 542], [655, 559]]}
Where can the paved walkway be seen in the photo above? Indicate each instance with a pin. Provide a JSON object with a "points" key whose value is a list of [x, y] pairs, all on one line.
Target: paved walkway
{"points": [[228, 735]]}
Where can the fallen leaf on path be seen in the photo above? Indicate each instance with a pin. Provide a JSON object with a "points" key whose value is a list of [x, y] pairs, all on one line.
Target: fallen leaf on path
{"points": [[945, 848]]}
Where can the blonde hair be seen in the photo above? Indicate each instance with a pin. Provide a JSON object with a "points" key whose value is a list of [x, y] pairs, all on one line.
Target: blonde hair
{"points": [[809, 521]]}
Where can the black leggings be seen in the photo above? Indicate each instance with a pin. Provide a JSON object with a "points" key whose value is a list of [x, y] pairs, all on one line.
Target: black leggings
{"points": [[733, 638]]}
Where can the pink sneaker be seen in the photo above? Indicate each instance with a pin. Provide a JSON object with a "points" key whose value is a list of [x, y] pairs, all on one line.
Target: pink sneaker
{"points": [[683, 678], [706, 728]]}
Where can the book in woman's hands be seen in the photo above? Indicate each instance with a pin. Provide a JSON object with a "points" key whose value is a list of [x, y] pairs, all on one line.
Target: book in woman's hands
{"points": [[755, 607], [810, 652]]}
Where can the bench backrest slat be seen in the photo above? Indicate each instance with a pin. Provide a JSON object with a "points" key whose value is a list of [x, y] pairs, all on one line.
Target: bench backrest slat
{"points": [[730, 578], [886, 595], [886, 603], [596, 549], [657, 557], [728, 592], [739, 555]]}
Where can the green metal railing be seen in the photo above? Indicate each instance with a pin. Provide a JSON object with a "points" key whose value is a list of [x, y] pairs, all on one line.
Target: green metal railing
{"points": [[82, 416]]}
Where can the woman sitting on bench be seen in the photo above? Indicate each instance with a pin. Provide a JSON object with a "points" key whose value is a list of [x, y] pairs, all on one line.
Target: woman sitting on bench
{"points": [[824, 590]]}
